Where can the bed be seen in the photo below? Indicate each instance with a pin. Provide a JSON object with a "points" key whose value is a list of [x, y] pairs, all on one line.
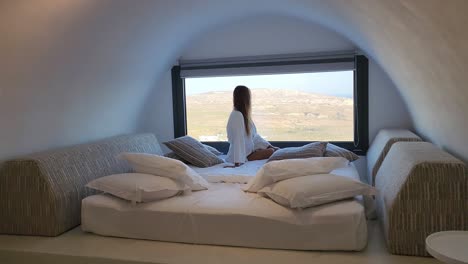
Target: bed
{"points": [[226, 215], [44, 194]]}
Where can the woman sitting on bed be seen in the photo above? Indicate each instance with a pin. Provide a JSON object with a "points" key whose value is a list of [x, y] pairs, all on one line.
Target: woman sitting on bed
{"points": [[245, 143]]}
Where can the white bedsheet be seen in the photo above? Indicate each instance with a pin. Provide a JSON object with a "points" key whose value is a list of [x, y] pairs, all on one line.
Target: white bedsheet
{"points": [[247, 171], [241, 174], [226, 215]]}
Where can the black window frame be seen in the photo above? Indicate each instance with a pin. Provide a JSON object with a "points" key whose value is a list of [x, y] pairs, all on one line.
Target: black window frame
{"points": [[360, 97]]}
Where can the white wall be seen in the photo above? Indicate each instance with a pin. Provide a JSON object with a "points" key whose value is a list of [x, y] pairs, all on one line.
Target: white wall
{"points": [[61, 82], [268, 35], [157, 116], [386, 107], [72, 73]]}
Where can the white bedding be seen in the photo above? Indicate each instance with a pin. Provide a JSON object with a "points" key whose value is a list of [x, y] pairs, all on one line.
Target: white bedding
{"points": [[247, 171], [226, 215], [280, 170], [241, 174]]}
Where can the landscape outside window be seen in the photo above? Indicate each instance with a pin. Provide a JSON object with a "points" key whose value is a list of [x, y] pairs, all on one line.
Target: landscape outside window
{"points": [[285, 107]]}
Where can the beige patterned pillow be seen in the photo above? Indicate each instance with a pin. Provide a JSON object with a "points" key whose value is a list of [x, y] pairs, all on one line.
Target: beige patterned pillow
{"points": [[213, 150], [173, 155], [311, 150], [193, 151], [335, 151]]}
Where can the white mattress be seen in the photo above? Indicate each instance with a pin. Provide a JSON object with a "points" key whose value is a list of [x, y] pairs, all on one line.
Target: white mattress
{"points": [[225, 215]]}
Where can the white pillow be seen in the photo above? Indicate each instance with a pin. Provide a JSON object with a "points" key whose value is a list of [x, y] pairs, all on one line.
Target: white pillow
{"points": [[165, 167], [138, 187], [279, 170], [307, 191]]}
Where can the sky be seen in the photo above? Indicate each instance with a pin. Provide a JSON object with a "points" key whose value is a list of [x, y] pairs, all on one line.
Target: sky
{"points": [[328, 83]]}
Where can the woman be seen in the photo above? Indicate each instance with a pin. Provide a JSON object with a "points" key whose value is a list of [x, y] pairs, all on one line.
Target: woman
{"points": [[241, 131]]}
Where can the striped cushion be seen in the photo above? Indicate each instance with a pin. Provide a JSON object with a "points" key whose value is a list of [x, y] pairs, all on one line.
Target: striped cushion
{"points": [[315, 149], [213, 150], [41, 193], [193, 151], [422, 190], [381, 146], [335, 151], [173, 155]]}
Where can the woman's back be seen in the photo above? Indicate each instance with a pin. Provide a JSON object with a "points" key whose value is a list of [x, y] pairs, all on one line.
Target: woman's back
{"points": [[241, 143]]}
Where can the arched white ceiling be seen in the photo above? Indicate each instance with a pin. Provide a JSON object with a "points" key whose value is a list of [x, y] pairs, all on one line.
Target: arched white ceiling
{"points": [[73, 71], [264, 35]]}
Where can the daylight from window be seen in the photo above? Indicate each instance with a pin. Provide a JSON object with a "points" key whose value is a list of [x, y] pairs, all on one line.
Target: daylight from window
{"points": [[285, 107]]}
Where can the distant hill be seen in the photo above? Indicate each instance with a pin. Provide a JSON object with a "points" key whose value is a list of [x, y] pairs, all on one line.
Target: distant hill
{"points": [[279, 114]]}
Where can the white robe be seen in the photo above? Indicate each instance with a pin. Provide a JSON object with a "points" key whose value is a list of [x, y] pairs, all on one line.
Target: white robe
{"points": [[241, 144]]}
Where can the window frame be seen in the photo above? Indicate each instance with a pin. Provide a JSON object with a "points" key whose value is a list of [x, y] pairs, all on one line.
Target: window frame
{"points": [[360, 97]]}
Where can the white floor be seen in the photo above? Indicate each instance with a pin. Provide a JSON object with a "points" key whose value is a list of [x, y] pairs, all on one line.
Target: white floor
{"points": [[78, 247]]}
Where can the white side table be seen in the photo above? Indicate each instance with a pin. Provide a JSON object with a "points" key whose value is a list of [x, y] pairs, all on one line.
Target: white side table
{"points": [[449, 246]]}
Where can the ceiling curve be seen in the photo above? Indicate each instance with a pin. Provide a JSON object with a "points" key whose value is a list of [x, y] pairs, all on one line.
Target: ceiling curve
{"points": [[421, 44]]}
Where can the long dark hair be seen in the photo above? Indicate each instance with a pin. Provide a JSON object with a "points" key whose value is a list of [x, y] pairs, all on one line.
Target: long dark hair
{"points": [[241, 99]]}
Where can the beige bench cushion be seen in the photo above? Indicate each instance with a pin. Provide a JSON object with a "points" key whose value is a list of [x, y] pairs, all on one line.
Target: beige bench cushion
{"points": [[380, 147], [421, 190], [40, 194]]}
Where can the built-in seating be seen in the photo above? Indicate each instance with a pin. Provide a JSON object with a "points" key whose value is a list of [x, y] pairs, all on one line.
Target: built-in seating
{"points": [[381, 145], [41, 194], [421, 189], [379, 148]]}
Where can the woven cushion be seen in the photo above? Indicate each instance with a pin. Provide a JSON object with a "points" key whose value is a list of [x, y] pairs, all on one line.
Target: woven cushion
{"points": [[381, 146], [311, 150], [40, 194], [335, 151], [193, 151], [422, 190]]}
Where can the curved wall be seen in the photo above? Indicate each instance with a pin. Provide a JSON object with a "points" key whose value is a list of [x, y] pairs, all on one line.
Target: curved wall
{"points": [[267, 35], [73, 71], [419, 44]]}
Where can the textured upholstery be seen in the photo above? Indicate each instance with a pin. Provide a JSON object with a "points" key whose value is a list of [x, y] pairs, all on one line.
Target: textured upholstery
{"points": [[421, 190], [381, 145], [40, 194]]}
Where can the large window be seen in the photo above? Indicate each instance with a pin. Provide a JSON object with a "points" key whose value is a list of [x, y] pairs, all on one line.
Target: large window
{"points": [[292, 103]]}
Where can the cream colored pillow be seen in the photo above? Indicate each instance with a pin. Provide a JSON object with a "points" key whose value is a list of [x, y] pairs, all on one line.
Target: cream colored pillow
{"points": [[280, 170], [138, 187], [307, 191], [165, 167]]}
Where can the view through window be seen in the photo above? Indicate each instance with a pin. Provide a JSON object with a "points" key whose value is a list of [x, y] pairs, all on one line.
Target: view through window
{"points": [[285, 107]]}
